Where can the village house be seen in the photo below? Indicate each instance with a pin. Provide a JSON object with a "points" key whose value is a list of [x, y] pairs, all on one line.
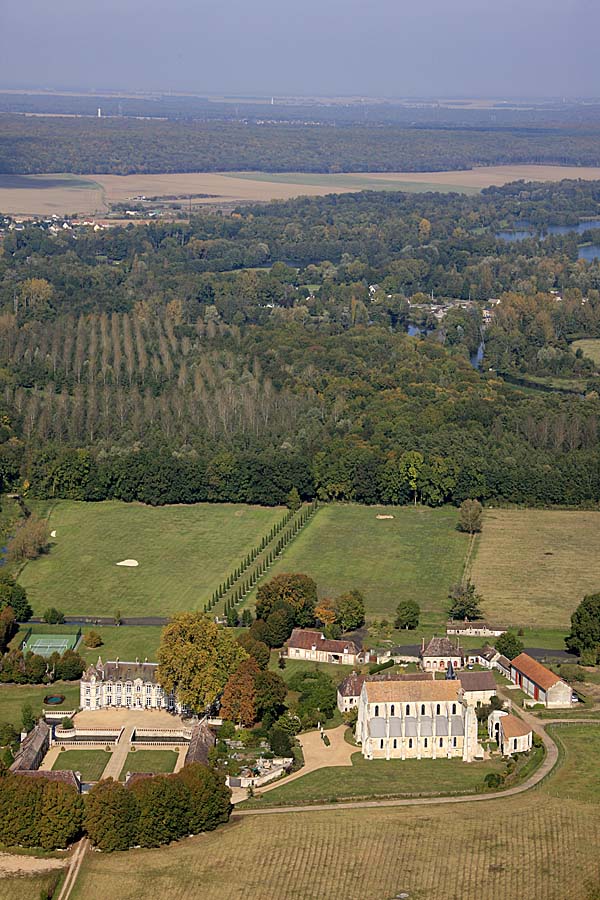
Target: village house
{"points": [[474, 629], [348, 691], [502, 663], [478, 687], [416, 720], [132, 685], [539, 682], [511, 733], [313, 645], [485, 657], [440, 653]]}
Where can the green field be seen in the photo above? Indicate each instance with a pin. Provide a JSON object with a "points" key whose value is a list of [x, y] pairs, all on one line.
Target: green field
{"points": [[534, 566], [91, 763], [367, 779], [28, 887], [125, 641], [13, 696], [590, 348], [183, 552], [578, 774], [154, 761], [418, 554], [361, 181]]}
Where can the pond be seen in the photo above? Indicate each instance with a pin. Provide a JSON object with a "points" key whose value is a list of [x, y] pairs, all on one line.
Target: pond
{"points": [[589, 252], [54, 700], [529, 231]]}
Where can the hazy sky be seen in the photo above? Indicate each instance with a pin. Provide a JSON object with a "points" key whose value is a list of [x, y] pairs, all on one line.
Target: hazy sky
{"points": [[368, 47]]}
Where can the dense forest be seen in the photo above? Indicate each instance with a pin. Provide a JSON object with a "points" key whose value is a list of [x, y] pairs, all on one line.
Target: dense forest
{"points": [[126, 145], [237, 357]]}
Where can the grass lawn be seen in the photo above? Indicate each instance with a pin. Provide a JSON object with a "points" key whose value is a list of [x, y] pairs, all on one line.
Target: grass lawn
{"points": [[124, 641], [292, 666], [578, 774], [183, 552], [534, 566], [531, 846], [155, 761], [13, 696], [417, 554], [91, 763], [590, 348], [382, 778]]}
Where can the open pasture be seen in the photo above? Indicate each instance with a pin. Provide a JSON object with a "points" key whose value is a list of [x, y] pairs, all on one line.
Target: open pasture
{"points": [[590, 347], [534, 566], [418, 554], [93, 194], [183, 553]]}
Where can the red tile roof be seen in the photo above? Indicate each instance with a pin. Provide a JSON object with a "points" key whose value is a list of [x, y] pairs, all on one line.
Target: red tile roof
{"points": [[535, 671], [513, 727], [304, 639]]}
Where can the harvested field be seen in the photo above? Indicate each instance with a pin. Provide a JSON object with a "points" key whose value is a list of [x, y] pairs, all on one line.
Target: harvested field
{"points": [[92, 194], [534, 566], [534, 847]]}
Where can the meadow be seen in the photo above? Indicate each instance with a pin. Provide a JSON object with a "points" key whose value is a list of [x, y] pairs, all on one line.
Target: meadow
{"points": [[534, 566], [28, 887], [183, 552], [590, 347], [418, 554], [124, 641]]}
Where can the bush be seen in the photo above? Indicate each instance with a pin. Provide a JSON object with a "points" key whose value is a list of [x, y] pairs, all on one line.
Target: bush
{"points": [[53, 616], [381, 666], [493, 780], [92, 639], [67, 723]]}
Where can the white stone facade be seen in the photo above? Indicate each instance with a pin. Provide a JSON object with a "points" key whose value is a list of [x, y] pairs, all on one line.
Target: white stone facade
{"points": [[129, 685]]}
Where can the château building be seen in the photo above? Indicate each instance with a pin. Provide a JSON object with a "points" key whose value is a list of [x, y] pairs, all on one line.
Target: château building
{"points": [[130, 685]]}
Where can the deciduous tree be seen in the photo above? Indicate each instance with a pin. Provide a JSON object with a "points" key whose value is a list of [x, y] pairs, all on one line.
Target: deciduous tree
{"points": [[465, 602], [407, 614], [350, 610], [471, 516]]}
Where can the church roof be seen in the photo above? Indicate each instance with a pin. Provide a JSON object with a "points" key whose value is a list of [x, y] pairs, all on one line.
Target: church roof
{"points": [[410, 691], [352, 684], [441, 646]]}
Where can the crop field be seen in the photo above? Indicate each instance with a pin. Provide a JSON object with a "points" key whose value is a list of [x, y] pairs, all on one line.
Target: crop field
{"points": [[417, 554], [590, 347], [91, 763], [534, 846], [534, 566], [382, 778], [93, 194], [578, 775], [183, 553]]}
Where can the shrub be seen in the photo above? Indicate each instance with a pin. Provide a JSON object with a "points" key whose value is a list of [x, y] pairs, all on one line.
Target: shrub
{"points": [[67, 723], [92, 639], [53, 616]]}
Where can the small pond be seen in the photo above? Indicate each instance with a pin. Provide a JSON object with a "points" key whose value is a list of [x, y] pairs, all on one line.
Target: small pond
{"points": [[54, 700]]}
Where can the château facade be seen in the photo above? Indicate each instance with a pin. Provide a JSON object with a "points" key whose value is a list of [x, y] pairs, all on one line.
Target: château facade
{"points": [[121, 684]]}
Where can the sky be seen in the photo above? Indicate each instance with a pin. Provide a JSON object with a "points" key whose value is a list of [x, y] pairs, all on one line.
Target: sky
{"points": [[376, 48]]}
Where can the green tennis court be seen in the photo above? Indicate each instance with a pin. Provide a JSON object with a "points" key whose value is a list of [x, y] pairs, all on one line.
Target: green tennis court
{"points": [[47, 644]]}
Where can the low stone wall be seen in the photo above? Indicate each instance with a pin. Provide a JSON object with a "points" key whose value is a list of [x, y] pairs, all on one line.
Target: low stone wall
{"points": [[87, 735]]}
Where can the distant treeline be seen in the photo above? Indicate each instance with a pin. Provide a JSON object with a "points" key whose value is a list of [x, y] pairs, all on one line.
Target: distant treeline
{"points": [[124, 145]]}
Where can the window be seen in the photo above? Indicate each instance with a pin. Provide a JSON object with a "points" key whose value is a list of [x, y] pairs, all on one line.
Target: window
{"points": [[395, 743], [422, 709], [454, 742], [441, 742], [454, 709], [392, 709], [381, 744], [408, 709], [438, 709], [425, 742], [376, 709], [410, 743], [514, 743]]}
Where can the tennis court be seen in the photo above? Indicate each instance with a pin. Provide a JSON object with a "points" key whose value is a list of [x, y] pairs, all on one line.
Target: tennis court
{"points": [[47, 644]]}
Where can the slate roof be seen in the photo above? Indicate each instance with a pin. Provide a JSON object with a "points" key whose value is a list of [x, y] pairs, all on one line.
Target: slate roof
{"points": [[477, 681], [535, 671], [123, 670], [513, 727], [441, 646], [304, 639], [202, 742], [32, 745], [410, 691], [67, 777]]}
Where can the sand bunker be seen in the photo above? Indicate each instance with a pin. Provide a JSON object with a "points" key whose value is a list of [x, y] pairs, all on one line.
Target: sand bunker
{"points": [[130, 563], [384, 517]]}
